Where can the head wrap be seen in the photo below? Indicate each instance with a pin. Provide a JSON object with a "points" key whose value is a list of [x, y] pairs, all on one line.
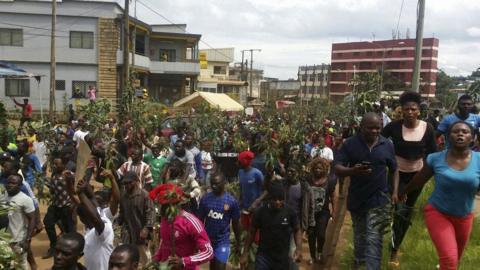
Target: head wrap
{"points": [[167, 194], [245, 158]]}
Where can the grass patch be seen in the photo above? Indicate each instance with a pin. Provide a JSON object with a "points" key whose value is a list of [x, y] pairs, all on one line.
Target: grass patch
{"points": [[417, 250]]}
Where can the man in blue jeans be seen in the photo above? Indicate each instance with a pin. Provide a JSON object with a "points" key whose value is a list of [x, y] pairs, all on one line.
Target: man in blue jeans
{"points": [[365, 158]]}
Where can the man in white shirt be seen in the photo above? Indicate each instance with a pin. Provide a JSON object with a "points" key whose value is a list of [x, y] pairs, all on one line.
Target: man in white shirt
{"points": [[21, 218], [99, 230], [80, 133]]}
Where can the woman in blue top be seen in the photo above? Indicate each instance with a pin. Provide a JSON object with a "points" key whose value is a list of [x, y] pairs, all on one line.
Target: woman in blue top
{"points": [[448, 214]]}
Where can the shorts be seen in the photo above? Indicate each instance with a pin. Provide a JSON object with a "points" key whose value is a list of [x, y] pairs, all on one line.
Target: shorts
{"points": [[222, 252]]}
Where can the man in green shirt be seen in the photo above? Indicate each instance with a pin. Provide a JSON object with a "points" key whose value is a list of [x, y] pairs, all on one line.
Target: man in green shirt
{"points": [[157, 163]]}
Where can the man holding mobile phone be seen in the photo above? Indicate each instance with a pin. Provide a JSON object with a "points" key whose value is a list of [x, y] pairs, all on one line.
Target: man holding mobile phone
{"points": [[367, 158]]}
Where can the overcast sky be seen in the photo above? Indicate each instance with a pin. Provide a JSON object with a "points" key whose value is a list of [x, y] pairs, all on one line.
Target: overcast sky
{"points": [[299, 32]]}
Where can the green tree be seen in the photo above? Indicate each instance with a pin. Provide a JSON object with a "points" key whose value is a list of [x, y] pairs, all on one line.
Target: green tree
{"points": [[474, 91], [444, 84]]}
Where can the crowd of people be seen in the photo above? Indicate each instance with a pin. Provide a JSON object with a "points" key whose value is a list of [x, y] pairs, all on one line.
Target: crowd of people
{"points": [[185, 200]]}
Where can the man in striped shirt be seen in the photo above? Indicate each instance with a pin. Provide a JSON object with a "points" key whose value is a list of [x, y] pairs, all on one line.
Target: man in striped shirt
{"points": [[141, 169], [192, 245]]}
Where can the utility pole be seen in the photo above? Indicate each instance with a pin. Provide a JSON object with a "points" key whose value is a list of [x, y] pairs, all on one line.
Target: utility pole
{"points": [[251, 67], [126, 51], [53, 65], [134, 33], [418, 47], [241, 67]]}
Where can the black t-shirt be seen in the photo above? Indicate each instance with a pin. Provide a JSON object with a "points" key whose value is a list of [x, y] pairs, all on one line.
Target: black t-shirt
{"points": [[329, 188], [276, 228]]}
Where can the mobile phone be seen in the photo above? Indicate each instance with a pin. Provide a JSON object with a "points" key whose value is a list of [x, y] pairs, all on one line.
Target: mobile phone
{"points": [[366, 163]]}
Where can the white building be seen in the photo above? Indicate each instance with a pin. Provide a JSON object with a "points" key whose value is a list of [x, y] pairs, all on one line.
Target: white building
{"points": [[314, 81], [89, 52]]}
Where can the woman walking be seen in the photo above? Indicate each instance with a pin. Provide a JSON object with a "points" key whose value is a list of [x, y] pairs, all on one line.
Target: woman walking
{"points": [[448, 214], [323, 194], [413, 139]]}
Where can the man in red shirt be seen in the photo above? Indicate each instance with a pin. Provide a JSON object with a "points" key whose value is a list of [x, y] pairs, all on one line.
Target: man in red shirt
{"points": [[184, 243], [26, 112]]}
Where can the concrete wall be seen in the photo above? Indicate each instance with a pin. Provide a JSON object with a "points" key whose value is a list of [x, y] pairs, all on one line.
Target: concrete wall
{"points": [[65, 8], [36, 42], [39, 93]]}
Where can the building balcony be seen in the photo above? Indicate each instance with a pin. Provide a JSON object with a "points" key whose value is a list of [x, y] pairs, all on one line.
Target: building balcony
{"points": [[187, 67]]}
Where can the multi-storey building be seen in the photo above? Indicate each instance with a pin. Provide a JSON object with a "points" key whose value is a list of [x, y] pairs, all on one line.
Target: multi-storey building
{"points": [[313, 81], [393, 57], [272, 90], [215, 75], [89, 52]]}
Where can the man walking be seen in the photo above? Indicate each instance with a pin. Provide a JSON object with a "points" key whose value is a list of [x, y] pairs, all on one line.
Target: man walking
{"points": [[217, 210], [277, 224], [184, 242], [365, 158], [21, 218], [136, 216], [60, 209]]}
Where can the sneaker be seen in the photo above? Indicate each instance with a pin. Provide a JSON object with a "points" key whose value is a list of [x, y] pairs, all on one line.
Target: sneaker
{"points": [[48, 255]]}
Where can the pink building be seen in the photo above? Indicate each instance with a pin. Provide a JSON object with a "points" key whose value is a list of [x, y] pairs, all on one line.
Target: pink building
{"points": [[393, 56]]}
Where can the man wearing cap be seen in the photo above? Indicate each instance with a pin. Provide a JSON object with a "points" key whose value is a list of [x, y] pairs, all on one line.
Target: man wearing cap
{"points": [[277, 223], [251, 186], [184, 243]]}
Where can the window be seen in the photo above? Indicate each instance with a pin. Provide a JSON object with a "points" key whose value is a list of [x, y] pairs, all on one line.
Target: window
{"points": [[168, 55], [60, 85], [369, 53], [389, 52], [404, 52], [81, 40], [379, 53], [312, 77], [356, 54], [17, 87], [82, 87], [219, 70], [11, 37]]}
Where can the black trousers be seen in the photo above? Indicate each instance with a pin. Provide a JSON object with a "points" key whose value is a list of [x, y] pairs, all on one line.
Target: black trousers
{"points": [[61, 215], [316, 235], [403, 211]]}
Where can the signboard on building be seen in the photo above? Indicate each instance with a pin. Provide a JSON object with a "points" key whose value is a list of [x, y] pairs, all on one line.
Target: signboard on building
{"points": [[202, 56]]}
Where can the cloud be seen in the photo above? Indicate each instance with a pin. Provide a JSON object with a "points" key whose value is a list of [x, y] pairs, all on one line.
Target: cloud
{"points": [[298, 32], [474, 31]]}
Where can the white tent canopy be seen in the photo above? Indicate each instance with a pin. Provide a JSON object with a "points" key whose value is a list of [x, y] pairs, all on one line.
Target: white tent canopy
{"points": [[220, 101]]}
